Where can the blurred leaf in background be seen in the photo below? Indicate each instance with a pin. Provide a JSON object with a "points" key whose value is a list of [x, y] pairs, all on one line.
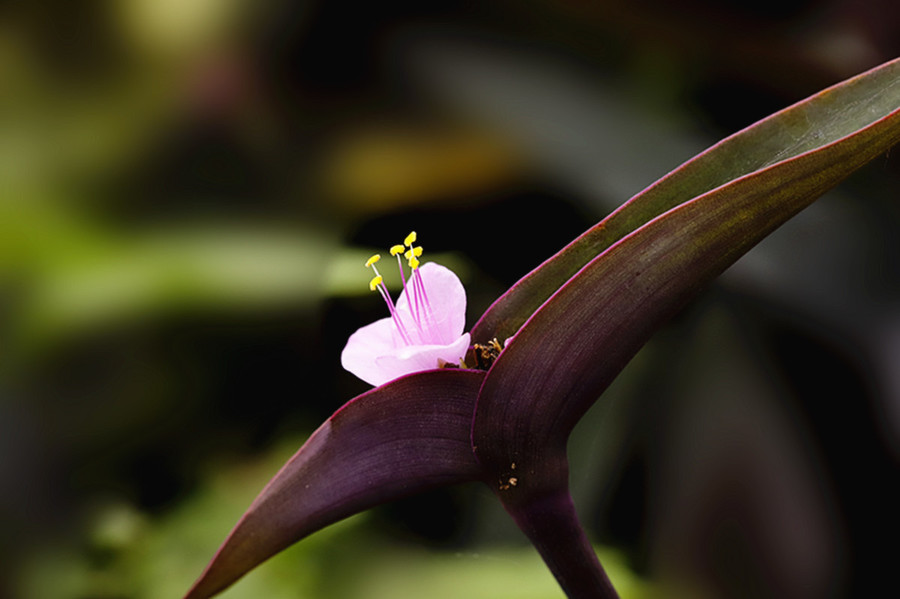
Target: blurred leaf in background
{"points": [[186, 187]]}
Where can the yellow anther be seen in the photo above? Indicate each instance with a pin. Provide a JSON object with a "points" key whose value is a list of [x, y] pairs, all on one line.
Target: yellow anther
{"points": [[410, 239], [413, 262], [397, 249], [413, 252], [375, 282], [373, 260]]}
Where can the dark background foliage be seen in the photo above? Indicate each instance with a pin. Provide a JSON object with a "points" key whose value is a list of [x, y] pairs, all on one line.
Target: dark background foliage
{"points": [[186, 192]]}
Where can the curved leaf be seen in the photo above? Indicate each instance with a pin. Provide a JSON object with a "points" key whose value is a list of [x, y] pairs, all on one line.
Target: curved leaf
{"points": [[812, 123], [395, 440], [577, 342]]}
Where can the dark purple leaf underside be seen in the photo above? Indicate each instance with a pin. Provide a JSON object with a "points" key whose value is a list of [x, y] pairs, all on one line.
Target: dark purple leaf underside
{"points": [[395, 440], [578, 341], [812, 123]]}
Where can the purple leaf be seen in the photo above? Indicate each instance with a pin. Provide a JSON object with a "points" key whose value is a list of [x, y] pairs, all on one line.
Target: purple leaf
{"points": [[407, 436], [586, 312], [576, 343], [808, 125], [719, 205]]}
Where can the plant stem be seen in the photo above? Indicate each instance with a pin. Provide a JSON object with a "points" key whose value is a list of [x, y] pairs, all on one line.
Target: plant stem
{"points": [[553, 527]]}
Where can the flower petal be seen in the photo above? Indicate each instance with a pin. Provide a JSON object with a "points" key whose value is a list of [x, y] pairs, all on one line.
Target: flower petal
{"points": [[416, 358], [363, 348], [376, 354], [446, 300]]}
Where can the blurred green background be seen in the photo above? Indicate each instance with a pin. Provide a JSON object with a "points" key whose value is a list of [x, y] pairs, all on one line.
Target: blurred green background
{"points": [[188, 191]]}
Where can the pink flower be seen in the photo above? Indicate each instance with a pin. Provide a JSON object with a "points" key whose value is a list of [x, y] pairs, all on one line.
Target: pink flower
{"points": [[424, 329]]}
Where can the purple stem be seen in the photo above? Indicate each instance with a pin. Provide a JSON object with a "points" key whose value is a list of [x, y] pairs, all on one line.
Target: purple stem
{"points": [[553, 527]]}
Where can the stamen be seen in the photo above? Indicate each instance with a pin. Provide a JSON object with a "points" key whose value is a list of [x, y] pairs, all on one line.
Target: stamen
{"points": [[370, 263], [396, 251], [377, 284], [418, 307], [413, 288]]}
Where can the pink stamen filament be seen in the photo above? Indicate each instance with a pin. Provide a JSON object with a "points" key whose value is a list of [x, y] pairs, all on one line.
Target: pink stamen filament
{"points": [[416, 298], [425, 305], [404, 334], [416, 303], [409, 295], [413, 290], [386, 296]]}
